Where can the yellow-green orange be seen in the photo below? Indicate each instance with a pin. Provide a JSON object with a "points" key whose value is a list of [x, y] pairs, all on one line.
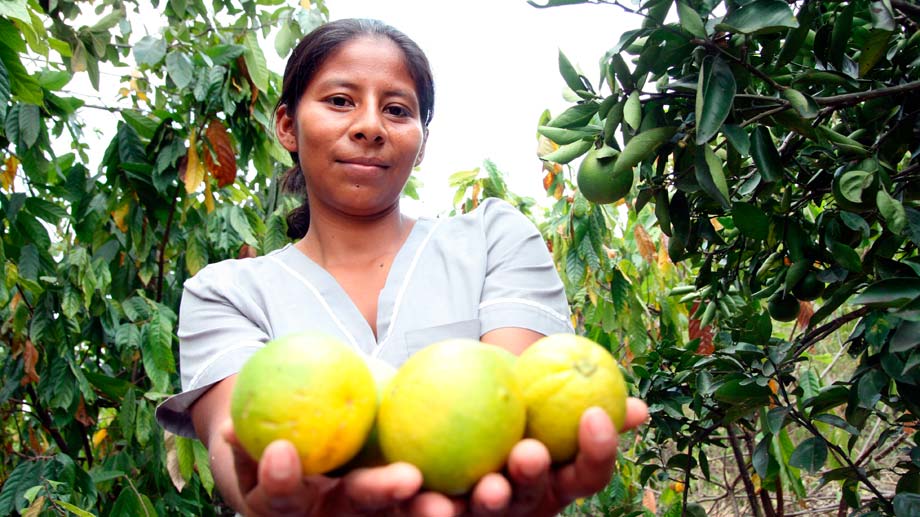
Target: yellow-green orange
{"points": [[561, 376], [598, 182], [454, 411], [310, 389], [783, 306], [370, 454]]}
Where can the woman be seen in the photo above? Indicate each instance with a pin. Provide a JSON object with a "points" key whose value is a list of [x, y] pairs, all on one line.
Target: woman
{"points": [[354, 112]]}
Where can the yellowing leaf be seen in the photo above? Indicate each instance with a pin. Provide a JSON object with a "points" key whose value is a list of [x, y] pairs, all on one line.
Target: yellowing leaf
{"points": [[29, 360], [194, 169], [119, 214], [100, 436], [644, 242], [10, 167], [305, 4], [208, 197]]}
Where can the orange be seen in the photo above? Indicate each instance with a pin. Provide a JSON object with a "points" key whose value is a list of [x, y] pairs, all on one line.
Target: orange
{"points": [[454, 411], [783, 306], [561, 376], [370, 454], [598, 182], [310, 389]]}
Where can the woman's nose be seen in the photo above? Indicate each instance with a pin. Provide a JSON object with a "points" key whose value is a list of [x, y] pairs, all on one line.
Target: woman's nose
{"points": [[368, 126]]}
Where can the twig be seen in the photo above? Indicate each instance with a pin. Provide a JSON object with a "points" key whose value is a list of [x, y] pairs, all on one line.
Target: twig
{"points": [[906, 7], [823, 331], [749, 67], [742, 468], [45, 421], [162, 258], [849, 99], [772, 111]]}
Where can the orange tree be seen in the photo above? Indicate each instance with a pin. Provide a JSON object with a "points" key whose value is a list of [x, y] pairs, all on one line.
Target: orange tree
{"points": [[774, 150], [96, 242]]}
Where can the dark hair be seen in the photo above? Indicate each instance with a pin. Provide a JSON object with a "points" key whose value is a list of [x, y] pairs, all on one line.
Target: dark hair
{"points": [[309, 56]]}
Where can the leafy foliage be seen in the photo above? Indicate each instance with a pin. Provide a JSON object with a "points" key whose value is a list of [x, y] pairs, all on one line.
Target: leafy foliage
{"points": [[773, 141], [94, 260]]}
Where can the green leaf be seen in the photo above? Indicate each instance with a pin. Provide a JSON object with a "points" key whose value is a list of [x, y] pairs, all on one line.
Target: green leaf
{"points": [[846, 256], [642, 146], [836, 421], [709, 174], [890, 292], [776, 417], [738, 137], [566, 136], [761, 458], [142, 124], [567, 153], [622, 73], [26, 475], [892, 210], [76, 510], [913, 224], [765, 155], [715, 95], [690, 20], [156, 351], [576, 116], [255, 62], [870, 388], [136, 308], [906, 337], [840, 35], [796, 37], [759, 17], [852, 184], [180, 68], [553, 3], [569, 74], [906, 504], [810, 455], [29, 124], [632, 110], [874, 47], [750, 220], [149, 50], [203, 465], [22, 84], [185, 452], [5, 93], [130, 503], [803, 104]]}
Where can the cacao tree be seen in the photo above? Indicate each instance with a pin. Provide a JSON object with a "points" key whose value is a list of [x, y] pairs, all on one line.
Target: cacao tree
{"points": [[97, 242]]}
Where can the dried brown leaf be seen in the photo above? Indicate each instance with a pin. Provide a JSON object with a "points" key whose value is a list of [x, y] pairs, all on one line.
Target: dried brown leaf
{"points": [[645, 244], [29, 359], [224, 168]]}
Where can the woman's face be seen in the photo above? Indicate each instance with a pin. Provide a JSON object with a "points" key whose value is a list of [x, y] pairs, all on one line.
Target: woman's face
{"points": [[357, 129]]}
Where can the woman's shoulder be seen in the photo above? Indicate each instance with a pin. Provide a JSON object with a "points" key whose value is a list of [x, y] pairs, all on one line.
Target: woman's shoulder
{"points": [[239, 271]]}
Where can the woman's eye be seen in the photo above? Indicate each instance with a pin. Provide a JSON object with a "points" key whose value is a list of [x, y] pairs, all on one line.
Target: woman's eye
{"points": [[397, 111], [338, 101]]}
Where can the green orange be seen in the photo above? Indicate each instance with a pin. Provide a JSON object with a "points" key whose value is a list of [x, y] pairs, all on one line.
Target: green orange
{"points": [[561, 376], [599, 182], [454, 411], [783, 306], [311, 390]]}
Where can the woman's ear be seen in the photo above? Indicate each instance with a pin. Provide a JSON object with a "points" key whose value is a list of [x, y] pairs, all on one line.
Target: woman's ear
{"points": [[421, 151], [286, 129]]}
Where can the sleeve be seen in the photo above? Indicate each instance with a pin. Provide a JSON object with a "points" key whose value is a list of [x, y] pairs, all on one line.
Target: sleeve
{"points": [[522, 287], [220, 327]]}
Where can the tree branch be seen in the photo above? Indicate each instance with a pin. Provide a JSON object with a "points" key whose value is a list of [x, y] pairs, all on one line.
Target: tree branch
{"points": [[906, 7], [45, 421], [742, 468], [162, 258], [740, 62], [848, 99]]}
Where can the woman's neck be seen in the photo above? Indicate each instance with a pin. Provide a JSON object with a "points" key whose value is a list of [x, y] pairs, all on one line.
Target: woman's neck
{"points": [[347, 242]]}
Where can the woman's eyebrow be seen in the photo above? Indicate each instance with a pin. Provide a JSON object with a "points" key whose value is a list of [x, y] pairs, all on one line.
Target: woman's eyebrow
{"points": [[349, 85]]}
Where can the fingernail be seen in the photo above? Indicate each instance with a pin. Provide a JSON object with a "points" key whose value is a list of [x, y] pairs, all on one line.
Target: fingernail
{"points": [[599, 426]]}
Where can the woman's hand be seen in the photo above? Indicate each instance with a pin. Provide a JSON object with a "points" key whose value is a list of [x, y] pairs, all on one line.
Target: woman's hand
{"points": [[533, 488], [274, 486]]}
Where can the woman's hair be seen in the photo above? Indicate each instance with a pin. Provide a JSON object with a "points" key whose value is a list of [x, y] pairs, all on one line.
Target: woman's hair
{"points": [[309, 56]]}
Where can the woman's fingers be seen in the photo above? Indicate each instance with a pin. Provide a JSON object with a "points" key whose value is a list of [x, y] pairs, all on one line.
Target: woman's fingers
{"points": [[594, 464], [490, 496], [371, 489], [636, 413], [246, 468], [529, 470], [434, 504]]}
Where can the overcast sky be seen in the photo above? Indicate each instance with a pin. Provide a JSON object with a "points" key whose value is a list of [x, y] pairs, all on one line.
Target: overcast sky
{"points": [[495, 66]]}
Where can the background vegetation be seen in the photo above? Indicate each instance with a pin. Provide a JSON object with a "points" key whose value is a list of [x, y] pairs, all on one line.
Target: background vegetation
{"points": [[770, 142]]}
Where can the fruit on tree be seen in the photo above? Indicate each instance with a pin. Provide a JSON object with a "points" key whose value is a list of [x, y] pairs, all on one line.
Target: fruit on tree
{"points": [[561, 376], [310, 389], [454, 411], [809, 288], [783, 306], [598, 181]]}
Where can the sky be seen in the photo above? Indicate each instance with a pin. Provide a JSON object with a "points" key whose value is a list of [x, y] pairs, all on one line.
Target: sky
{"points": [[495, 65]]}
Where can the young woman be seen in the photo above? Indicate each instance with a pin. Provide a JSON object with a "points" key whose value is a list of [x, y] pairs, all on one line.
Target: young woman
{"points": [[354, 112]]}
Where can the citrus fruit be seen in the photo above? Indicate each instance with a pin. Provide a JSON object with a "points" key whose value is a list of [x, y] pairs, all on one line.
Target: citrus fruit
{"points": [[809, 288], [309, 389], [783, 306], [561, 376], [454, 411], [598, 182], [370, 454]]}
